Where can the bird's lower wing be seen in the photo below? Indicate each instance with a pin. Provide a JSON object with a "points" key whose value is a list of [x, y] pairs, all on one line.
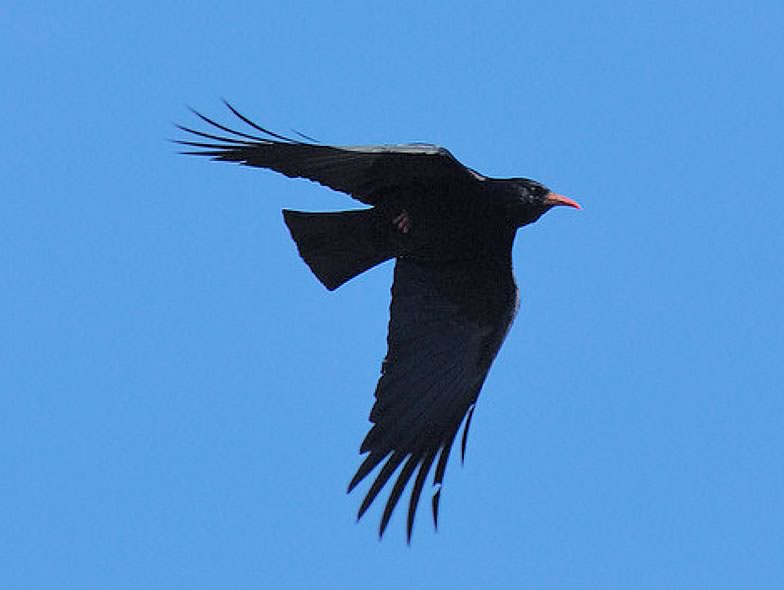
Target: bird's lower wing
{"points": [[446, 326]]}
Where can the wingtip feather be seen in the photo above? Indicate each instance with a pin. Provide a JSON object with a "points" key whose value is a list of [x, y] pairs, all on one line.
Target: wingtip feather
{"points": [[435, 504], [381, 479], [397, 491]]}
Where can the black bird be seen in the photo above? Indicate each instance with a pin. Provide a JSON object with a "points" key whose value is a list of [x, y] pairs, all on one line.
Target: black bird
{"points": [[450, 230]]}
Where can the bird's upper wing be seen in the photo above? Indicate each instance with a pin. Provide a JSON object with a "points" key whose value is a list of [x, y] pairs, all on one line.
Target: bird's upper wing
{"points": [[371, 174], [446, 325]]}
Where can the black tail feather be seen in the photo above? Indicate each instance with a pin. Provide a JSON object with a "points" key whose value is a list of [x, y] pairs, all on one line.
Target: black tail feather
{"points": [[339, 246]]}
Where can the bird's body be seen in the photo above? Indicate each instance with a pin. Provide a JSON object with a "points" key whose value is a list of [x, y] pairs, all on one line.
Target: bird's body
{"points": [[450, 230]]}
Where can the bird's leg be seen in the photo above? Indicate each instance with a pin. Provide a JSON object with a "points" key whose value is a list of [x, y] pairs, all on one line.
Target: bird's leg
{"points": [[402, 222]]}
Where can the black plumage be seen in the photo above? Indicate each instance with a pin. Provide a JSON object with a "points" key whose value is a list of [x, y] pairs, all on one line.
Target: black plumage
{"points": [[450, 230]]}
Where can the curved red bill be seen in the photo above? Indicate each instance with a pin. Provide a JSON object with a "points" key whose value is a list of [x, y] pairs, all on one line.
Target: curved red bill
{"points": [[555, 199]]}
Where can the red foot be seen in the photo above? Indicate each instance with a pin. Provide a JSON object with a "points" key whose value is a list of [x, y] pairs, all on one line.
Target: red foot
{"points": [[402, 222]]}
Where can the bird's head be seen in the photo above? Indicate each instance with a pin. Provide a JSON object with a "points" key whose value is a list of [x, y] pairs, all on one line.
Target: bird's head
{"points": [[529, 200]]}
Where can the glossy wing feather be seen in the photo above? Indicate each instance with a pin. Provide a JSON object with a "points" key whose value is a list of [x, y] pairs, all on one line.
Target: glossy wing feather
{"points": [[444, 333], [374, 174]]}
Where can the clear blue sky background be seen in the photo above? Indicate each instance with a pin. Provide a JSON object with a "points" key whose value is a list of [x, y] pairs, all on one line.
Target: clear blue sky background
{"points": [[181, 402]]}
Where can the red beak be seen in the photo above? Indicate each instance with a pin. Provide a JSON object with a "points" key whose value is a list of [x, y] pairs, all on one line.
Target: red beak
{"points": [[554, 199]]}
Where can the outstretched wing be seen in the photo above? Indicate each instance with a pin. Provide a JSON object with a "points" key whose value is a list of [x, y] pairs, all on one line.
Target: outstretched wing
{"points": [[371, 174], [447, 323]]}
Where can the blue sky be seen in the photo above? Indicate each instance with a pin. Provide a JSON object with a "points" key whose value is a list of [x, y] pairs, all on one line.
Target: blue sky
{"points": [[181, 403]]}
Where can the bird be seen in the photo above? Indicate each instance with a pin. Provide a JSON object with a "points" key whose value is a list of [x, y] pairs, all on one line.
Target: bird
{"points": [[450, 231]]}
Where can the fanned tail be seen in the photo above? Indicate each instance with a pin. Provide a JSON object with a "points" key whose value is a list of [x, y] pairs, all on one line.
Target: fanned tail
{"points": [[339, 246]]}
